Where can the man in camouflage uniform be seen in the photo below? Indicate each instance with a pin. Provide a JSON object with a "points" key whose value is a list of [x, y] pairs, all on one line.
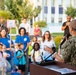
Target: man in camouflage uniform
{"points": [[69, 47], [69, 51]]}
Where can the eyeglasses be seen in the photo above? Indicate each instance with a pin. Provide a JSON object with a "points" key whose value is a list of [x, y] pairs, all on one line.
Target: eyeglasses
{"points": [[46, 34]]}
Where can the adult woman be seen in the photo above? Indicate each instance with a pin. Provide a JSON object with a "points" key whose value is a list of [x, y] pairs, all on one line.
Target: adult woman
{"points": [[4, 39], [46, 45], [8, 43], [22, 38]]}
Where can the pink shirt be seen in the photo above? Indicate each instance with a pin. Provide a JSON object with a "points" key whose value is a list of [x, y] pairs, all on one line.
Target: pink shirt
{"points": [[37, 31]]}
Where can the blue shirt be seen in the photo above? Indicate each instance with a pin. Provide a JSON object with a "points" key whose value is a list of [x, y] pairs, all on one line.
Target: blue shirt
{"points": [[6, 41], [22, 60], [22, 39]]}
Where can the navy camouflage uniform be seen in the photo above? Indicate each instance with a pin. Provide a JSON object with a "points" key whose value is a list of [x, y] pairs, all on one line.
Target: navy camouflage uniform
{"points": [[69, 51]]}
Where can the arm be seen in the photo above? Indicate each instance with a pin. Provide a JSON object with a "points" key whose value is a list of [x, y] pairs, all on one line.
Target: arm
{"points": [[46, 48], [58, 57], [28, 42], [32, 56], [66, 50], [19, 54], [63, 26], [16, 42]]}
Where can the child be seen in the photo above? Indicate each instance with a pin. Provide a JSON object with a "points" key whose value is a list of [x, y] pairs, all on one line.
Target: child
{"points": [[36, 54], [4, 64], [34, 40], [5, 55], [29, 49], [21, 57]]}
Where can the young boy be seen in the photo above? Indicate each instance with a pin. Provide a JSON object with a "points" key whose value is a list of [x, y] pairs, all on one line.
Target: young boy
{"points": [[21, 58]]}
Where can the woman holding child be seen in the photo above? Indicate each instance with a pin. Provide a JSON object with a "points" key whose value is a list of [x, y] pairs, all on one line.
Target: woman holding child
{"points": [[22, 38], [46, 45]]}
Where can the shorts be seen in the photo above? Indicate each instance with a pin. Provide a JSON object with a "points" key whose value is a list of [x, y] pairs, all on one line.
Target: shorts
{"points": [[22, 67]]}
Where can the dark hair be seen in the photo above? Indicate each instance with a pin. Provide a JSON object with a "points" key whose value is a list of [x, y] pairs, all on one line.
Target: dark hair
{"points": [[5, 30], [1, 44], [37, 44], [43, 38], [25, 18], [21, 29], [20, 44]]}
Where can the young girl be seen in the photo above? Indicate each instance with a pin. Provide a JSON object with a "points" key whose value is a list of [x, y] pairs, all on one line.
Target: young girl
{"points": [[4, 64], [34, 40], [21, 57], [36, 55]]}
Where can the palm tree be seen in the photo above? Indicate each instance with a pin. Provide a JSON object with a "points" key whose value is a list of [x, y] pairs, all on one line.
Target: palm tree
{"points": [[71, 11]]}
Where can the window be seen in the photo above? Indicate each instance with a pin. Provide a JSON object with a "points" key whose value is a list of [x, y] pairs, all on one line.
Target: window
{"points": [[39, 7], [52, 10], [52, 18], [60, 18], [45, 9], [60, 10]]}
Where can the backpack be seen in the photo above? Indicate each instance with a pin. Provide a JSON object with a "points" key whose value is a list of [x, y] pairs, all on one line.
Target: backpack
{"points": [[15, 59], [10, 54]]}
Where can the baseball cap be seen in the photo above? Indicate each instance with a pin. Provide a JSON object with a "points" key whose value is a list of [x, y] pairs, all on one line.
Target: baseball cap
{"points": [[73, 24]]}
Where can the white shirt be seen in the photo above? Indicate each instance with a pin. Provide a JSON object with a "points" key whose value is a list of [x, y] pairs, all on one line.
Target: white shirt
{"points": [[37, 55], [50, 44], [26, 26]]}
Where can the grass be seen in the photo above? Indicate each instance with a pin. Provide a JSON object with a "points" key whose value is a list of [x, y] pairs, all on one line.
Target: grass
{"points": [[13, 31], [56, 34], [13, 37]]}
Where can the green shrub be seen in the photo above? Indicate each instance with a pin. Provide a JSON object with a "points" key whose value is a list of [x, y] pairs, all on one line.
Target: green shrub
{"points": [[57, 40], [6, 14], [40, 23]]}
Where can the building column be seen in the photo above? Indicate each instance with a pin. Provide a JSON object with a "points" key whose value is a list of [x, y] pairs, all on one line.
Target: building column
{"points": [[42, 10], [56, 11], [72, 3], [64, 8], [49, 11]]}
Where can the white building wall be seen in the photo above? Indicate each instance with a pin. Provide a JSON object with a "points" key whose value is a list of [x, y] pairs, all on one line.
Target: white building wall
{"points": [[42, 10], [56, 11], [49, 11], [65, 4], [64, 8]]}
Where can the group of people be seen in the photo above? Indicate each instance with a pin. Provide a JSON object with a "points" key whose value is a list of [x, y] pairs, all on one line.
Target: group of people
{"points": [[36, 50]]}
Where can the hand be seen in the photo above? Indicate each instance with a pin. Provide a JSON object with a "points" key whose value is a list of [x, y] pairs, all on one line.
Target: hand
{"points": [[67, 23], [5, 55], [54, 55], [8, 48], [46, 48]]}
